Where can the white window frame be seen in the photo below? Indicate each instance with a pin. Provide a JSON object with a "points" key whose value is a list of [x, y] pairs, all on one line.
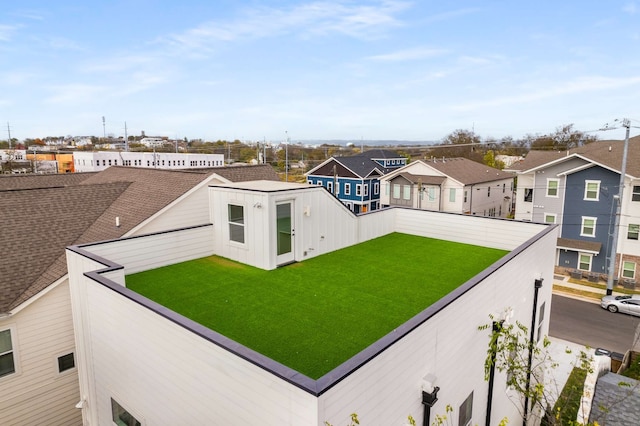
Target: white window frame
{"points": [[582, 226], [431, 193], [406, 192], [14, 351], [347, 188], [552, 216], [330, 186], [358, 189], [635, 193], [586, 190], [550, 189], [365, 186], [135, 416], [452, 195], [376, 188], [590, 256], [235, 224], [633, 235], [626, 269], [396, 191]]}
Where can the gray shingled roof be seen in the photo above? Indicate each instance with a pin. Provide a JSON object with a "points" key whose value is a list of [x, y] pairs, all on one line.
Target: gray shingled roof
{"points": [[39, 223], [607, 153], [467, 172], [615, 404], [21, 181], [425, 179], [363, 164]]}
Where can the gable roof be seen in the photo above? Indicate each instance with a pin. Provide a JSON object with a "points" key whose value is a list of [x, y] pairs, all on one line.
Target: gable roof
{"points": [[41, 222], [467, 172], [424, 179], [360, 165], [607, 153]]}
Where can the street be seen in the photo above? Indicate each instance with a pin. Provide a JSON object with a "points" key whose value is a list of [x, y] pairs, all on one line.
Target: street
{"points": [[588, 324]]}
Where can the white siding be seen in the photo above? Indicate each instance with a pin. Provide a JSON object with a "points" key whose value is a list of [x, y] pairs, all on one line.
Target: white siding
{"points": [[497, 233], [450, 346], [37, 393], [157, 250], [166, 375], [189, 210], [524, 210]]}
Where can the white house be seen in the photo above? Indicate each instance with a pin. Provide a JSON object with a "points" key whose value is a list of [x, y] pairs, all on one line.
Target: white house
{"points": [[141, 361], [456, 185], [38, 360], [94, 161]]}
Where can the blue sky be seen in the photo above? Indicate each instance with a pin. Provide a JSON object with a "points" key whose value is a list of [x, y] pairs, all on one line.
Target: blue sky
{"points": [[349, 70]]}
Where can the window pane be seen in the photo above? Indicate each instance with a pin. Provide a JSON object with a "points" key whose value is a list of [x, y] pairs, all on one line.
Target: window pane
{"points": [[552, 188], [396, 190], [452, 195], [236, 214], [635, 196], [629, 269], [121, 417], [592, 191], [585, 262], [5, 341], [7, 365], [66, 362], [633, 231], [406, 192]]}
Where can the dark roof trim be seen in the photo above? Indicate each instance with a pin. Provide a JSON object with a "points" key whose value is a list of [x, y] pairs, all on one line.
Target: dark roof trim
{"points": [[332, 378]]}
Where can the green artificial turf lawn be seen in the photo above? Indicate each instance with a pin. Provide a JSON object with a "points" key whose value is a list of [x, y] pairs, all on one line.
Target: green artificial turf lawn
{"points": [[316, 314]]}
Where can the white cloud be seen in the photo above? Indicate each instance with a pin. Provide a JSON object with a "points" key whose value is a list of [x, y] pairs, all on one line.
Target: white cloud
{"points": [[445, 16], [306, 20], [631, 8], [6, 31], [409, 54]]}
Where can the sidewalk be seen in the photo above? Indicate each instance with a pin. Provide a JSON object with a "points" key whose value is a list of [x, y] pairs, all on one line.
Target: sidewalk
{"points": [[563, 281]]}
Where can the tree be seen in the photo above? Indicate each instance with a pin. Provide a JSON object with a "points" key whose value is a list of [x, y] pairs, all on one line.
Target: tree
{"points": [[465, 139], [529, 372], [564, 138]]}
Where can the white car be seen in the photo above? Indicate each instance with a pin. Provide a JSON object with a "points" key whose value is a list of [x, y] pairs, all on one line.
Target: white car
{"points": [[627, 304]]}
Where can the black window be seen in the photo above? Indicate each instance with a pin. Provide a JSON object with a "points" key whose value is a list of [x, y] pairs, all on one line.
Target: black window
{"points": [[528, 195], [66, 362]]}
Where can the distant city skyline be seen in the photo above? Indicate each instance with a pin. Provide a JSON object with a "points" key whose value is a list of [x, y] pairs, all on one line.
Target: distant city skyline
{"points": [[317, 70]]}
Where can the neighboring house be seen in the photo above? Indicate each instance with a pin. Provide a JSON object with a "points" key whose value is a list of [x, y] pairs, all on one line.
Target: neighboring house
{"points": [[141, 361], [95, 161], [40, 216], [354, 180], [456, 185], [578, 190]]}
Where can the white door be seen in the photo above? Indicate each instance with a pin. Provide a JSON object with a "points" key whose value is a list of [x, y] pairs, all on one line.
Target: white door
{"points": [[284, 233]]}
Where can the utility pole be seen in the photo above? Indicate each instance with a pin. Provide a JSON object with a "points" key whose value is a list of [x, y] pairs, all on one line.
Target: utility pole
{"points": [[126, 138], [104, 130], [286, 158], [9, 132], [614, 240]]}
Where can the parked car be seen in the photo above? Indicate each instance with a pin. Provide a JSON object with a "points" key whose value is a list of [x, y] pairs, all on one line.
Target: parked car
{"points": [[627, 304]]}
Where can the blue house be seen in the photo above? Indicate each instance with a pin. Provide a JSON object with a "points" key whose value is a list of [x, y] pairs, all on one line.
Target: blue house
{"points": [[355, 180], [578, 190]]}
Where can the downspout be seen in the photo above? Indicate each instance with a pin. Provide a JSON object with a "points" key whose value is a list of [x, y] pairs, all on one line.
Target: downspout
{"points": [[538, 285], [471, 200]]}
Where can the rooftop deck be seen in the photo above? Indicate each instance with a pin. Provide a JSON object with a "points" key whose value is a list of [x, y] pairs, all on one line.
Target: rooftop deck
{"points": [[314, 315]]}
